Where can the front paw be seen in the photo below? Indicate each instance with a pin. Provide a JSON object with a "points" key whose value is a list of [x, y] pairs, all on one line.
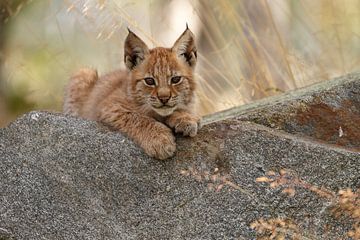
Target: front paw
{"points": [[188, 125], [161, 145]]}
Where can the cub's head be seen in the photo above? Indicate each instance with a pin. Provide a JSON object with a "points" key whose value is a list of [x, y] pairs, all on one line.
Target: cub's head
{"points": [[162, 78]]}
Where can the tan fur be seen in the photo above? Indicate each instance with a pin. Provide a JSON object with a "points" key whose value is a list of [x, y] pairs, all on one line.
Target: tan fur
{"points": [[123, 100]]}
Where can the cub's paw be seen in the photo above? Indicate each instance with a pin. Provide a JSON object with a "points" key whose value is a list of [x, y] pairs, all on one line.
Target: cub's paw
{"points": [[161, 145], [188, 125]]}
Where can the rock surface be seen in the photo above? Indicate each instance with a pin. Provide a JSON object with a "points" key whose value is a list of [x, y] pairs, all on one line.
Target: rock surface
{"points": [[67, 178]]}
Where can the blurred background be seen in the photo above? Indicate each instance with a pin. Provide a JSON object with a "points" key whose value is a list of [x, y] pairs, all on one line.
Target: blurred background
{"points": [[248, 49]]}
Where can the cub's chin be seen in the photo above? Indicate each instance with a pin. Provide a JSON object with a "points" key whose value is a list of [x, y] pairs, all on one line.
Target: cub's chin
{"points": [[164, 111]]}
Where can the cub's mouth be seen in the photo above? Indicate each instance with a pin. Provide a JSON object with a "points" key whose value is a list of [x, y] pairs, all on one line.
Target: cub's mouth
{"points": [[163, 107], [164, 110]]}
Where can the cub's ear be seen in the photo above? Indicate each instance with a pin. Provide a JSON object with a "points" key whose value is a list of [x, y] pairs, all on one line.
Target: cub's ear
{"points": [[185, 48], [135, 50]]}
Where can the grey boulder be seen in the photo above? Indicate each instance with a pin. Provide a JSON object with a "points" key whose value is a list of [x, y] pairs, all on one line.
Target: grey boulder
{"points": [[278, 164]]}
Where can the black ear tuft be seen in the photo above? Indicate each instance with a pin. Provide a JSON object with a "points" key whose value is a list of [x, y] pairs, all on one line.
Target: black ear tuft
{"points": [[135, 50], [185, 48]]}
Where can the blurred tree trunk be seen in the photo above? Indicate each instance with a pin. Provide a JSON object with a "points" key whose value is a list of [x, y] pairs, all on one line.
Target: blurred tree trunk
{"points": [[8, 9], [4, 14]]}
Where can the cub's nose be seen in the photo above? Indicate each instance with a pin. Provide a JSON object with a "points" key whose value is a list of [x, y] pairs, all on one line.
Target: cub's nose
{"points": [[164, 94], [164, 99]]}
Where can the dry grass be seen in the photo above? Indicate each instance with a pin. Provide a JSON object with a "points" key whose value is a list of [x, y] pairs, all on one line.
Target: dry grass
{"points": [[247, 49], [277, 228], [345, 203], [215, 180]]}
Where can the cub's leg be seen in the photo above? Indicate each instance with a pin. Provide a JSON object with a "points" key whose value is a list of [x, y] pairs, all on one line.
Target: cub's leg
{"points": [[78, 89], [155, 138], [184, 122]]}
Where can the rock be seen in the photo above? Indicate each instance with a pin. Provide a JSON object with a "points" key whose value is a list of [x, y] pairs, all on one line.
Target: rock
{"points": [[68, 178], [328, 112]]}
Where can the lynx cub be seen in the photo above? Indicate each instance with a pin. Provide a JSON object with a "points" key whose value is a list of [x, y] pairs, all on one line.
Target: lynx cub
{"points": [[154, 96]]}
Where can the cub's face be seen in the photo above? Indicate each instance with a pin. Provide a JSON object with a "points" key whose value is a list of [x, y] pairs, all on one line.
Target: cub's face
{"points": [[162, 78], [163, 82]]}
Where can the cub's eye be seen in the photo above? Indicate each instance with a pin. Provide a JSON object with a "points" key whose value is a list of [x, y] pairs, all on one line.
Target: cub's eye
{"points": [[176, 80], [149, 81]]}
